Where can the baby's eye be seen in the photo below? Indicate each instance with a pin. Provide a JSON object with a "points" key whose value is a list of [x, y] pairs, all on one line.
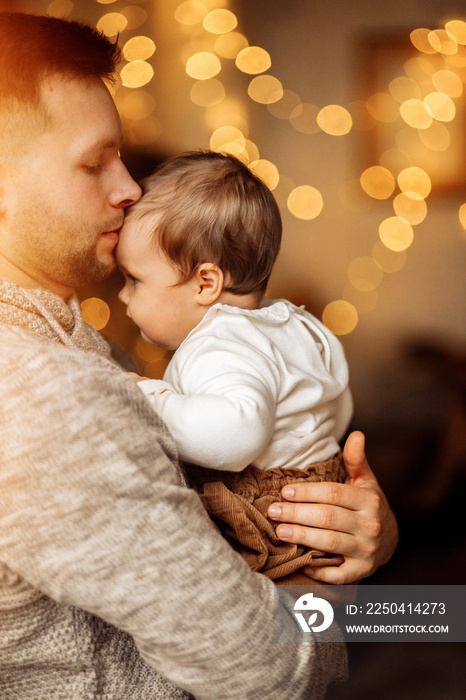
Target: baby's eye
{"points": [[134, 280]]}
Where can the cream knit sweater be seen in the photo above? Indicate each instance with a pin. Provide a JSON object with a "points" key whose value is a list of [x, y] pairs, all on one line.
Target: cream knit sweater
{"points": [[112, 579]]}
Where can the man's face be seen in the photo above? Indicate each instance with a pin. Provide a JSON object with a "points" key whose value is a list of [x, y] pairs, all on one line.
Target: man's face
{"points": [[67, 193]]}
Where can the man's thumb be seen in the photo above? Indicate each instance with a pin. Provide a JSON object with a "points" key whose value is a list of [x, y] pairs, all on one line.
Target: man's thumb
{"points": [[357, 468]]}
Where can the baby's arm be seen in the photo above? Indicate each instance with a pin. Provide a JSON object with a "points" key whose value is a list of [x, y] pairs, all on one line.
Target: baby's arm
{"points": [[225, 416]]}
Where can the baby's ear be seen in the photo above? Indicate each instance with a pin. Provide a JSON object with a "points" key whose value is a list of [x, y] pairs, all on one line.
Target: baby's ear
{"points": [[209, 282]]}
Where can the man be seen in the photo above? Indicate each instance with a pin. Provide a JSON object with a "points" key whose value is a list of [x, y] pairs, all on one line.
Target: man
{"points": [[112, 579]]}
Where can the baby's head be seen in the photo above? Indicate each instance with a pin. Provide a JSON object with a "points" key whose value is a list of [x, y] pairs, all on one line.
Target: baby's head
{"points": [[213, 222]]}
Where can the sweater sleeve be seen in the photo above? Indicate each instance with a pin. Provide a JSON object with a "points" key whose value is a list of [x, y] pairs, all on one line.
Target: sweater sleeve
{"points": [[222, 409], [92, 514]]}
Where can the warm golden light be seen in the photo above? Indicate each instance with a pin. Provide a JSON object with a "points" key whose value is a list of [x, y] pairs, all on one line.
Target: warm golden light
{"points": [[265, 89], [138, 48], [135, 16], [364, 274], [136, 74], [112, 23], [95, 312], [144, 131], [203, 65], [362, 119], [225, 135], [253, 60], [135, 105], [303, 118], [420, 40], [436, 137], [462, 215], [456, 30], [442, 42], [206, 93], [413, 210], [60, 8], [229, 45], [340, 317], [106, 2], [145, 351], [419, 69], [305, 202], [377, 182], [190, 12], [396, 233], [219, 21], [388, 260], [440, 106], [395, 160], [414, 113], [267, 171], [448, 82], [229, 112], [283, 108], [383, 107], [335, 120], [404, 88], [414, 182]]}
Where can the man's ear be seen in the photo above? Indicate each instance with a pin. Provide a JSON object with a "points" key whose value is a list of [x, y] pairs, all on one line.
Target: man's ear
{"points": [[209, 281]]}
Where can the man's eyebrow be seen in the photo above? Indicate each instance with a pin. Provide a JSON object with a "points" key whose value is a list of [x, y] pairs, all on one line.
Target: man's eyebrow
{"points": [[101, 145]]}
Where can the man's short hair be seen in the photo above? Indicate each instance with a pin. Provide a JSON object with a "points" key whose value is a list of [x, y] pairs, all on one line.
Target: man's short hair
{"points": [[205, 206], [33, 47]]}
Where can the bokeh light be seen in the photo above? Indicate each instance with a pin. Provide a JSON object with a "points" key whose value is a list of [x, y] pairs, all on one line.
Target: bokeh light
{"points": [[190, 12], [203, 65], [335, 120], [253, 60], [96, 312], [448, 82], [456, 29], [267, 171], [265, 89], [377, 182], [112, 23], [224, 135], [383, 107], [413, 210], [420, 40], [440, 106], [364, 302], [414, 113], [138, 48], [136, 16], [442, 42], [414, 182], [219, 21], [229, 45], [404, 88], [136, 104], [206, 93], [436, 137], [462, 215], [305, 202], [136, 74], [396, 233], [229, 111], [340, 317]]}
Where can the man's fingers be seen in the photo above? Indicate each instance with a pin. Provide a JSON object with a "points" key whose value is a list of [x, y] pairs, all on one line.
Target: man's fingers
{"points": [[358, 470], [324, 540], [330, 493], [314, 515], [337, 575]]}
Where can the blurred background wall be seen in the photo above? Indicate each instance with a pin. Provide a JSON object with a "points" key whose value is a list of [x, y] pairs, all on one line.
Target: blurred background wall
{"points": [[354, 113]]}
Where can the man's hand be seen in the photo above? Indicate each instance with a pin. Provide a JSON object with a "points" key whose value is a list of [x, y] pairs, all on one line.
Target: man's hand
{"points": [[352, 519], [136, 377]]}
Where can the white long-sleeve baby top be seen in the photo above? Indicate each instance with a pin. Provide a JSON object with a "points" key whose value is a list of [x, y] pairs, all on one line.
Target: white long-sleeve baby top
{"points": [[267, 387]]}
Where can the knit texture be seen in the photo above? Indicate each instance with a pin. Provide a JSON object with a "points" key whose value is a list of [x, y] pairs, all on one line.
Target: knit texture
{"points": [[111, 568]]}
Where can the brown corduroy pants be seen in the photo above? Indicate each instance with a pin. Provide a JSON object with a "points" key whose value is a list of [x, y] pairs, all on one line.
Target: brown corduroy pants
{"points": [[237, 502]]}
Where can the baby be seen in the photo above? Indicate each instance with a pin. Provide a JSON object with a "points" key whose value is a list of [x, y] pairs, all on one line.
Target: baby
{"points": [[256, 393]]}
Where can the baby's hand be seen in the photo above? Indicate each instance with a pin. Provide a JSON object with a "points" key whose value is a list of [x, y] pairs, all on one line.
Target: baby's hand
{"points": [[136, 377]]}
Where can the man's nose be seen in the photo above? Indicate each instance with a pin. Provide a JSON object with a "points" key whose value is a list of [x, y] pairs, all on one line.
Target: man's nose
{"points": [[128, 192]]}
